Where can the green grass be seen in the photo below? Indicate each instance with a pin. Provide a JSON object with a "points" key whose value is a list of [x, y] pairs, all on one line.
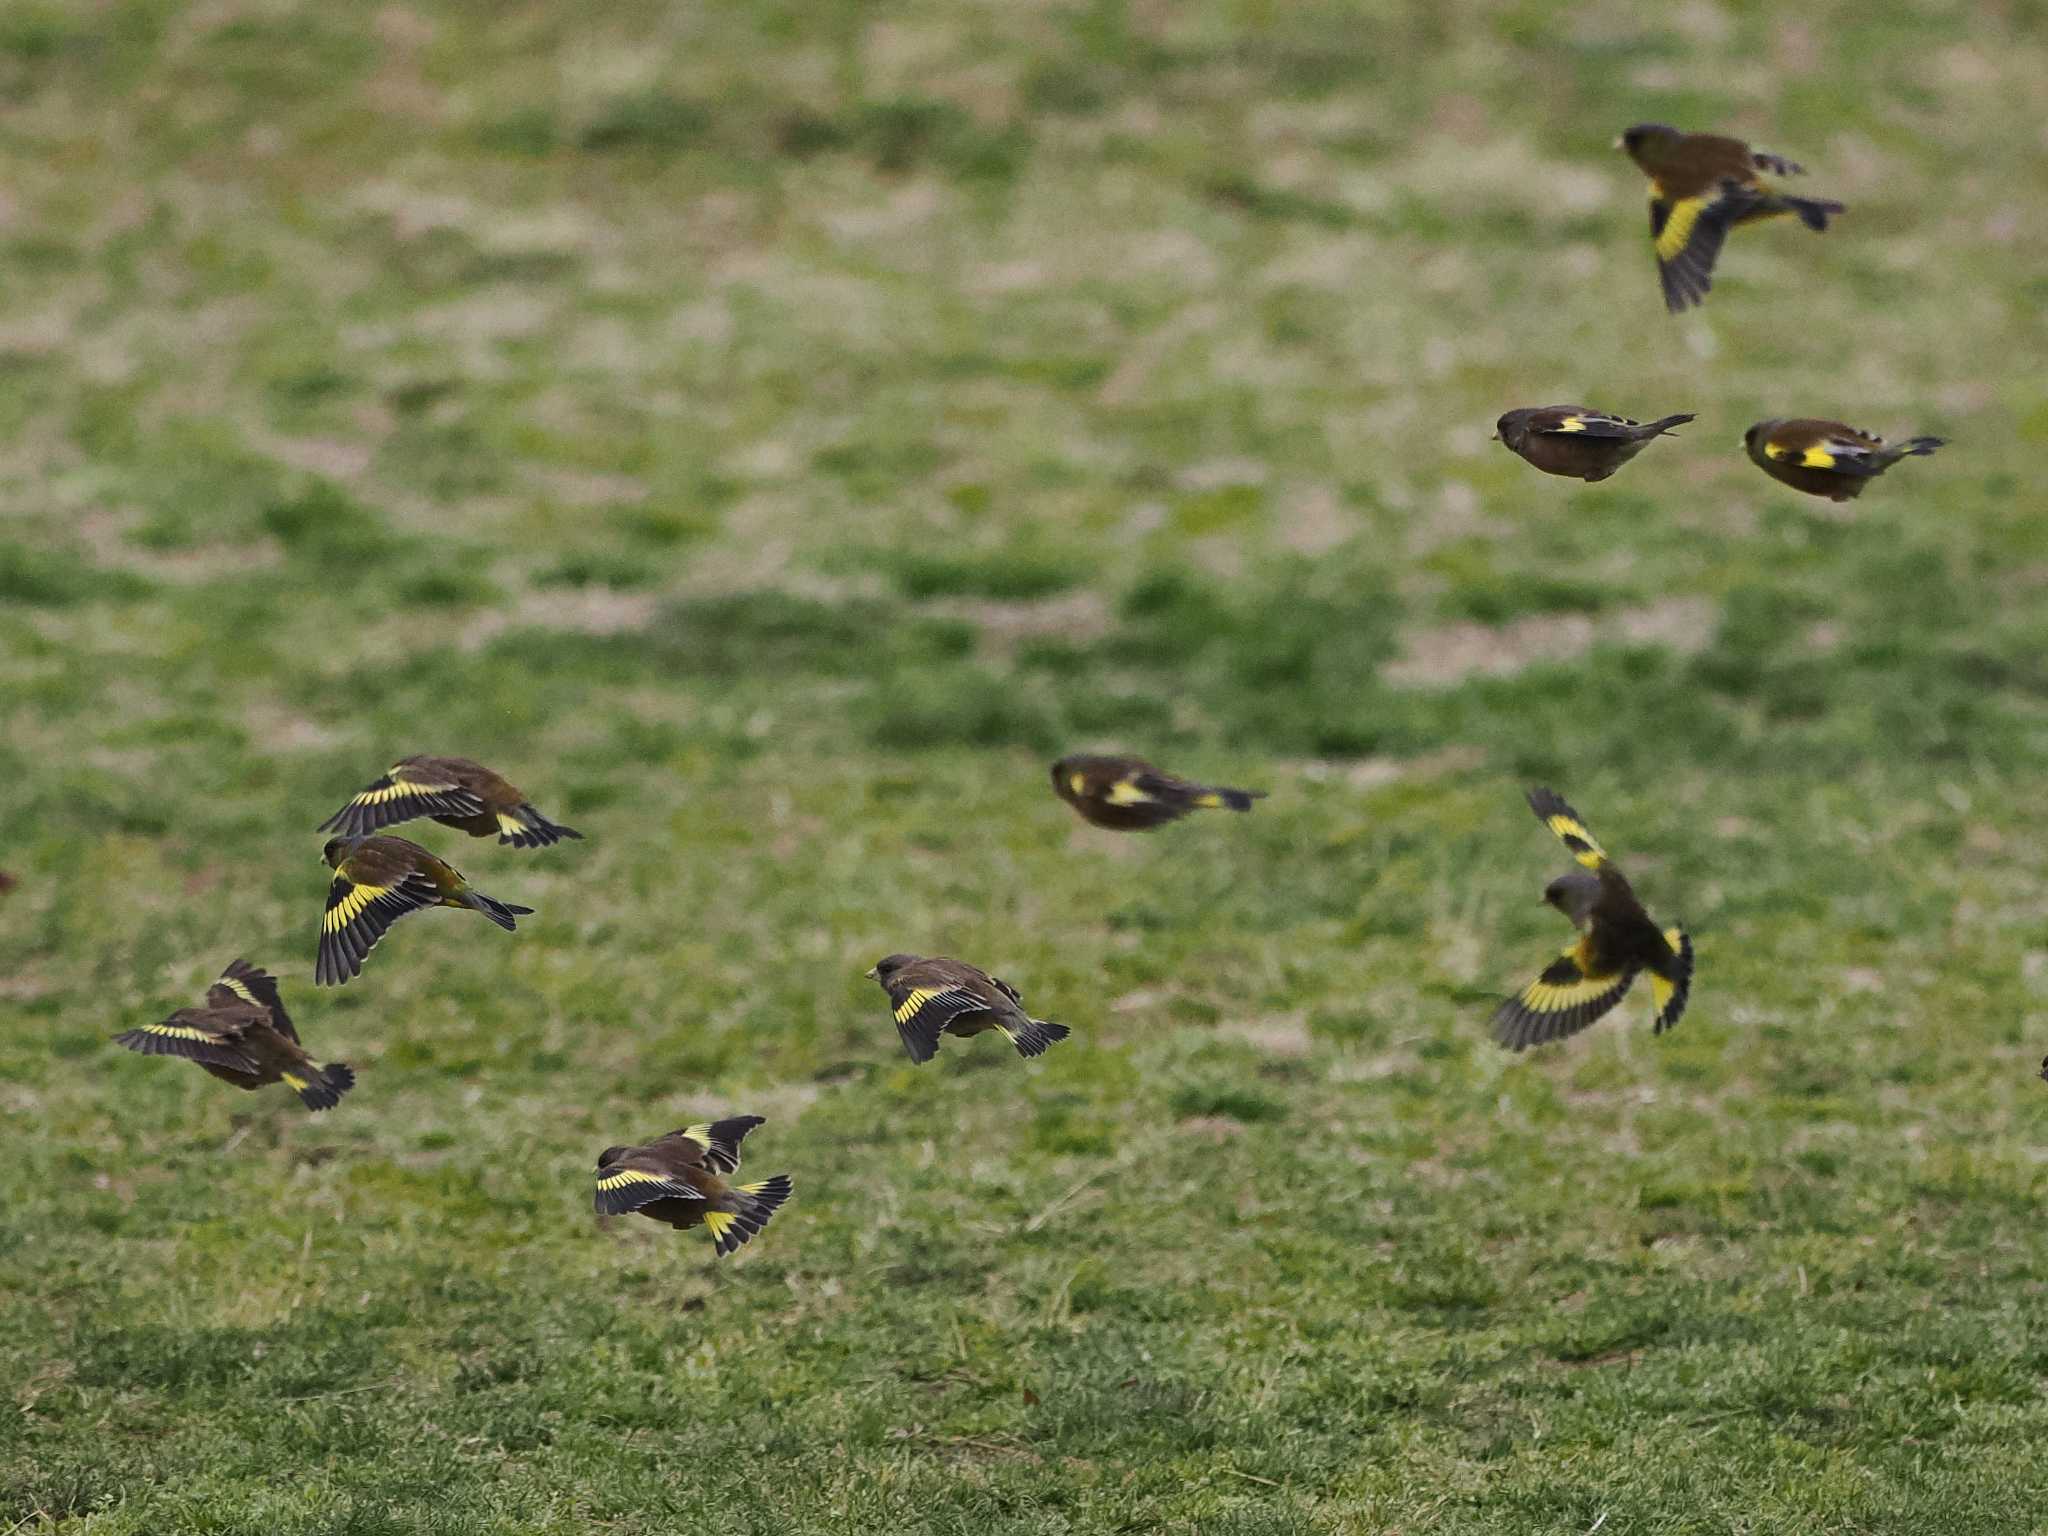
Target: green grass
{"points": [[770, 433]]}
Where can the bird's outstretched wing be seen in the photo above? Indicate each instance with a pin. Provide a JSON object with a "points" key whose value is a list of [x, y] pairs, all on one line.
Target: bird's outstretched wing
{"points": [[358, 915], [1560, 1002], [1571, 829], [406, 791]]}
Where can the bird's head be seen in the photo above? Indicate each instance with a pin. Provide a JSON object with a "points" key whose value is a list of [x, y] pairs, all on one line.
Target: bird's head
{"points": [[1574, 895], [1754, 437], [1647, 139], [2044, 1068], [336, 850], [889, 965], [1511, 429], [609, 1156]]}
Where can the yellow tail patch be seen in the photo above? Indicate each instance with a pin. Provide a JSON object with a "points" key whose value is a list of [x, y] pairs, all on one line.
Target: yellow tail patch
{"points": [[294, 1082], [1210, 802], [718, 1223]]}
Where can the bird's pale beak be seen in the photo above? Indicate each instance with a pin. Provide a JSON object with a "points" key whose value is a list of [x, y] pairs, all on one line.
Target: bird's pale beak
{"points": [[1619, 143], [870, 972]]}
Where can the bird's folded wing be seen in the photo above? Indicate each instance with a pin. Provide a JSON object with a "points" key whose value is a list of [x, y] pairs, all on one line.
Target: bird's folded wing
{"points": [[1592, 424], [1843, 455]]}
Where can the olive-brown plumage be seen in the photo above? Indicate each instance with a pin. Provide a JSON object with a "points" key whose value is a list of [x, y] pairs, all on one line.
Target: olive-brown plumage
{"points": [[1127, 794], [244, 1036], [378, 880], [454, 791], [935, 996], [1826, 458], [1701, 186], [1618, 941], [680, 1179], [1577, 443]]}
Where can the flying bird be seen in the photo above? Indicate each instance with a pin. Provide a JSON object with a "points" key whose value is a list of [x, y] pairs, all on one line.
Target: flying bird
{"points": [[1572, 441], [680, 1178], [1701, 186], [1826, 458], [1127, 794], [243, 1036], [378, 880], [1617, 942], [937, 996], [455, 792]]}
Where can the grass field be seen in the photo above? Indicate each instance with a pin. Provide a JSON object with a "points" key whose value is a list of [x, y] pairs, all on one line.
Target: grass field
{"points": [[770, 432]]}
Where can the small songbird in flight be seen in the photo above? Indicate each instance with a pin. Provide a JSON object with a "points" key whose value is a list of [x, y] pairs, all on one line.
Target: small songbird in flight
{"points": [[1826, 458], [378, 880], [243, 1036], [1617, 942], [1127, 794], [680, 1179], [937, 996], [1580, 444], [455, 792], [1701, 186]]}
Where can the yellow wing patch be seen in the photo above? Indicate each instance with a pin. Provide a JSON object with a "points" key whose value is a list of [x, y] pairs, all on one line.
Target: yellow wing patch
{"points": [[1124, 792], [908, 1008], [350, 907], [1678, 225], [627, 1176], [1573, 834], [178, 1032], [240, 988], [1546, 996], [400, 789], [1816, 457], [1571, 424]]}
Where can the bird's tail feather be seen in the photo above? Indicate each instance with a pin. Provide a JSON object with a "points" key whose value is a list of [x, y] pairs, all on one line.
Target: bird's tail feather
{"points": [[322, 1090], [758, 1202], [1917, 445], [1036, 1036], [1666, 423], [527, 828], [1671, 988], [1228, 799], [497, 911], [1813, 212]]}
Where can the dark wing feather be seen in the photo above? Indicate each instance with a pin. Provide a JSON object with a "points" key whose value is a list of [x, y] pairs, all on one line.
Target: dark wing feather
{"points": [[357, 917], [254, 987], [923, 1012], [404, 792], [1560, 1002], [176, 1036], [635, 1180]]}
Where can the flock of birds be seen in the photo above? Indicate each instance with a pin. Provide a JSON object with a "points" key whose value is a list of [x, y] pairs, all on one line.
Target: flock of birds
{"points": [[1701, 186]]}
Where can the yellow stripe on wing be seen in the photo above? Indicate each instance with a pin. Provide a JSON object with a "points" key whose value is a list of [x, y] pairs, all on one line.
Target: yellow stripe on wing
{"points": [[919, 996], [179, 1032], [1676, 234], [1124, 792], [1572, 424], [627, 1176], [351, 905]]}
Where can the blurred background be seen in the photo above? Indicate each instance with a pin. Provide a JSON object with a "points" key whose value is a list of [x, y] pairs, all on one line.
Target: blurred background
{"points": [[769, 433]]}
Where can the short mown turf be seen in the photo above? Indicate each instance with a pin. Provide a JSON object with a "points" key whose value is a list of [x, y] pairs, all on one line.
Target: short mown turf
{"points": [[770, 434]]}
